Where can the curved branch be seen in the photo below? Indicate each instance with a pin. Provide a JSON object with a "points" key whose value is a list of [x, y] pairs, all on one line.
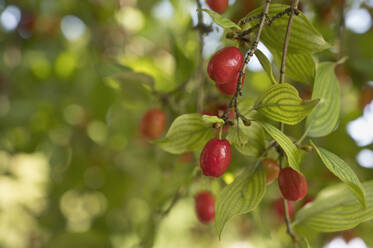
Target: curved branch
{"points": [[294, 10]]}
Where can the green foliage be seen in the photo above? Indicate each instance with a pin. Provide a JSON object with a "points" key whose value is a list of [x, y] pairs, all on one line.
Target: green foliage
{"points": [[300, 67], [339, 168], [282, 103], [221, 20], [248, 140], [188, 132], [290, 149], [335, 209], [135, 87], [70, 125], [266, 64], [324, 117], [304, 38], [184, 66], [240, 197]]}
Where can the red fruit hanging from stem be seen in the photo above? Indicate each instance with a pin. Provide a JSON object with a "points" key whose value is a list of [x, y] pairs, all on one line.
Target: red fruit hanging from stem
{"points": [[292, 185], [230, 88], [217, 5], [225, 65], [215, 157]]}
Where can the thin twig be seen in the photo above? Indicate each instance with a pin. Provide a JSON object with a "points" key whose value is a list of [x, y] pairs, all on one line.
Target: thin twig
{"points": [[294, 9], [267, 22], [254, 47], [341, 30], [289, 229], [201, 76]]}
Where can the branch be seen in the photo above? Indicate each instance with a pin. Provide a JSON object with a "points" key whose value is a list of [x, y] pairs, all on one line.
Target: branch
{"points": [[267, 22], [341, 30], [254, 47], [294, 10], [289, 230], [201, 75]]}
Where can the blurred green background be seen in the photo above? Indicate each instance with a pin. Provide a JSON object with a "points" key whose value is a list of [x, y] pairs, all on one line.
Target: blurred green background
{"points": [[74, 170]]}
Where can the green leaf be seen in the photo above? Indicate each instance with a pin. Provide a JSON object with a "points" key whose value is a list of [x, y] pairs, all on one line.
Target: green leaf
{"points": [[340, 169], [282, 103], [241, 196], [221, 21], [267, 66], [248, 140], [290, 149], [184, 66], [112, 69], [299, 67], [188, 132], [335, 209], [324, 117], [304, 38], [135, 87], [212, 119]]}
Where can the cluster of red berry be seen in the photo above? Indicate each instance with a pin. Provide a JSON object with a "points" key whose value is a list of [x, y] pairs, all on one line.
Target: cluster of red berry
{"points": [[224, 69]]}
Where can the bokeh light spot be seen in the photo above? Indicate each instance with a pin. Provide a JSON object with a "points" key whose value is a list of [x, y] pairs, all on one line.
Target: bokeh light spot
{"points": [[10, 17], [365, 158], [358, 20], [72, 27]]}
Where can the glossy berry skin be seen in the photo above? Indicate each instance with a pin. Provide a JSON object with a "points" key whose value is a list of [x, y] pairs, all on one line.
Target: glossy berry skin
{"points": [[215, 157], [292, 185], [272, 169], [230, 88], [217, 5], [204, 205], [279, 208], [225, 65], [153, 124]]}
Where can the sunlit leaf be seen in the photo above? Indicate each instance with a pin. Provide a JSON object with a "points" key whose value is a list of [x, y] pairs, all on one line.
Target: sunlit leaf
{"points": [[324, 117], [212, 119], [221, 20], [335, 208], [267, 66], [188, 132], [304, 38], [282, 103], [290, 149], [341, 169], [241, 196], [299, 67]]}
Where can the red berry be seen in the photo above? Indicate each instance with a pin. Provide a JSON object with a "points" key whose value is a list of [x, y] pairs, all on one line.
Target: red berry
{"points": [[225, 65], [272, 169], [204, 204], [279, 208], [230, 88], [215, 157], [153, 124], [217, 5], [292, 185]]}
